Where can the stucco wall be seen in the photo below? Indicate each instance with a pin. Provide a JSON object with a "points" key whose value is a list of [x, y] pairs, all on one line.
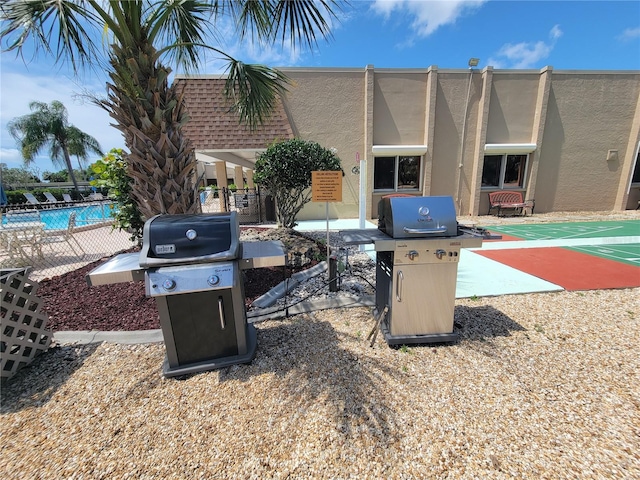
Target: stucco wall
{"points": [[327, 106], [451, 94], [399, 108], [512, 108], [587, 115]]}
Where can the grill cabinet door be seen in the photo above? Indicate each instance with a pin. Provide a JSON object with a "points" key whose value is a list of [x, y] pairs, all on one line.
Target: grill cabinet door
{"points": [[423, 299], [197, 327]]}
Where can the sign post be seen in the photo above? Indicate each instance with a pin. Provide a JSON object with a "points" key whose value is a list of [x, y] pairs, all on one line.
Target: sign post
{"points": [[326, 186]]}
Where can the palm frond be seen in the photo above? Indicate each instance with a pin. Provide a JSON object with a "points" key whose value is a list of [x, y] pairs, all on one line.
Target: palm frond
{"points": [[184, 26], [62, 28], [301, 21], [253, 91]]}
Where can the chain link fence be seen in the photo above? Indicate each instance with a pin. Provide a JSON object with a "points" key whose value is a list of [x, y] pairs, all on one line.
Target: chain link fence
{"points": [[60, 237]]}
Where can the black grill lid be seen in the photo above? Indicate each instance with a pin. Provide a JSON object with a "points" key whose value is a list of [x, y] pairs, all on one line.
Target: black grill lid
{"points": [[188, 239]]}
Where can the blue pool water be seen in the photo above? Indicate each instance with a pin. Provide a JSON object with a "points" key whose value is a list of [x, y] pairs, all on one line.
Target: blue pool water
{"points": [[55, 218]]}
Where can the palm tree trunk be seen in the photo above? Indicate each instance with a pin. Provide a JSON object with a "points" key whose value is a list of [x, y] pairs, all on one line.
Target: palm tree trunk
{"points": [[67, 161], [150, 115]]}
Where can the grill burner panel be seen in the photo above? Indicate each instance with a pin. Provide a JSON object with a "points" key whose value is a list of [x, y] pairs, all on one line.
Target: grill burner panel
{"points": [[192, 278]]}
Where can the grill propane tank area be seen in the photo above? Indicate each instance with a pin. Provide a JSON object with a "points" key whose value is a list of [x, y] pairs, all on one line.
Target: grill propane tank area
{"points": [[417, 246], [191, 265]]}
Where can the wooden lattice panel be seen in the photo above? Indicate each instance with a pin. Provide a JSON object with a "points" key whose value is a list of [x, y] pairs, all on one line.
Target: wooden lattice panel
{"points": [[23, 333]]}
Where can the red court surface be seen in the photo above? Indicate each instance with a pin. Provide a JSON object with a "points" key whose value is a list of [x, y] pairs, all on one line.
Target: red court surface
{"points": [[571, 270]]}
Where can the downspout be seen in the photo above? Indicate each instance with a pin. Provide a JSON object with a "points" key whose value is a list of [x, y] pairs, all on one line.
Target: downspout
{"points": [[464, 134]]}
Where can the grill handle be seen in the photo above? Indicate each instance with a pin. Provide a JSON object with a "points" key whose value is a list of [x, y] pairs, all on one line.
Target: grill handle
{"points": [[399, 279], [223, 324], [426, 231]]}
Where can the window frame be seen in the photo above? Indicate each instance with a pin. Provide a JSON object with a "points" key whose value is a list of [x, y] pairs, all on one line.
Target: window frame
{"points": [[396, 171], [636, 169], [503, 169]]}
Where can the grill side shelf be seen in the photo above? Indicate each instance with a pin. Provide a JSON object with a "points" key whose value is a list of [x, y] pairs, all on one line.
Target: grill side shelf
{"points": [[120, 269], [263, 254]]}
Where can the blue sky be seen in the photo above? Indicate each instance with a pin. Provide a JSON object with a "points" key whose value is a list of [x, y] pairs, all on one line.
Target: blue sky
{"points": [[568, 35]]}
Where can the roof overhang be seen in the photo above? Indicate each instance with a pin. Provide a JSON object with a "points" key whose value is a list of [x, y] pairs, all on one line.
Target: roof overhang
{"points": [[240, 158], [509, 147], [406, 150]]}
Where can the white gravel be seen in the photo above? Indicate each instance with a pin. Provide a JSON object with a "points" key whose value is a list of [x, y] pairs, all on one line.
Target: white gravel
{"points": [[540, 386]]}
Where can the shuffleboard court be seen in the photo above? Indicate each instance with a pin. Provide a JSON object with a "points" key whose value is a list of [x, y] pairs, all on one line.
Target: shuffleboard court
{"points": [[629, 254], [573, 230], [573, 270]]}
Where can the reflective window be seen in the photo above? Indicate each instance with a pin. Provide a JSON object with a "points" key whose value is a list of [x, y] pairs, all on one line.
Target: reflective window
{"points": [[504, 171], [397, 173]]}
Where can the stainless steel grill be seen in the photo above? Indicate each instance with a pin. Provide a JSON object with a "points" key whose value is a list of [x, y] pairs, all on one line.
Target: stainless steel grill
{"points": [[191, 265], [417, 246]]}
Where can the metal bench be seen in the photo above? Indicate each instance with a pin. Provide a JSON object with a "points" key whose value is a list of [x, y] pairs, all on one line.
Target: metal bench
{"points": [[510, 200]]}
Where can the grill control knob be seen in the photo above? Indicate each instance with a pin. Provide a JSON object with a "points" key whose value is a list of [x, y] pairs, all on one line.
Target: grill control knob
{"points": [[412, 254], [169, 284], [213, 280], [440, 253]]}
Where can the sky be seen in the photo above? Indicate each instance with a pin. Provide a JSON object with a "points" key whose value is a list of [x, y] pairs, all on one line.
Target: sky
{"points": [[567, 35]]}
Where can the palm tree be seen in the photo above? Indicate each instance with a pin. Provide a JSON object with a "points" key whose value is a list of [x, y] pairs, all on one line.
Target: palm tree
{"points": [[47, 125], [81, 144], [145, 33]]}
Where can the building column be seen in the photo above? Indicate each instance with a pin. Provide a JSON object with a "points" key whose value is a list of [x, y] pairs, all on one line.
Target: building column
{"points": [[238, 177], [368, 133], [626, 174], [250, 184], [475, 186], [221, 177], [539, 121], [429, 128]]}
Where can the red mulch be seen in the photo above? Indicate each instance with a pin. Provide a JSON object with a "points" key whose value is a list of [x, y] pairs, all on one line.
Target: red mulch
{"points": [[73, 305]]}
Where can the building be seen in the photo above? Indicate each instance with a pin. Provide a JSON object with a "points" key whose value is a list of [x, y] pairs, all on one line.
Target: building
{"points": [[568, 139]]}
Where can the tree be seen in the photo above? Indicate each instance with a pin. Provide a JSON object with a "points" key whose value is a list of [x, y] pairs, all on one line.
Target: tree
{"points": [[285, 169], [111, 172], [48, 126], [12, 177], [144, 34], [61, 176]]}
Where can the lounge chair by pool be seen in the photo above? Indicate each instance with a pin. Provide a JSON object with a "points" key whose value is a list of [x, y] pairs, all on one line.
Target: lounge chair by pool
{"points": [[51, 199], [31, 199]]}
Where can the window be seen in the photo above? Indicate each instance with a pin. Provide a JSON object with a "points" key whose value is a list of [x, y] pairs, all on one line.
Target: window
{"points": [[636, 170], [504, 171], [397, 173]]}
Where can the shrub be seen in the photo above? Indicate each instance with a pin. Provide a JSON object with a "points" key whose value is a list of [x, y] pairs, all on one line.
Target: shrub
{"points": [[285, 169], [111, 173]]}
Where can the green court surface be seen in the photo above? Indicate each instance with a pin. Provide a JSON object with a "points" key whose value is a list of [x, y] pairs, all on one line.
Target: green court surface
{"points": [[629, 254], [574, 230]]}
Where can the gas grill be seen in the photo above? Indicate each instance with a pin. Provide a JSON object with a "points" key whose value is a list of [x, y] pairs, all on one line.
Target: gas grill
{"points": [[191, 265], [417, 246]]}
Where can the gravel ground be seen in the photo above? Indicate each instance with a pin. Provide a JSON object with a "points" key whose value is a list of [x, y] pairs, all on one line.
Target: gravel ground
{"points": [[539, 386]]}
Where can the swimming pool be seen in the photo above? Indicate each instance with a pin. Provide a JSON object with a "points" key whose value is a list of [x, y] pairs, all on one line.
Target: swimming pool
{"points": [[56, 218]]}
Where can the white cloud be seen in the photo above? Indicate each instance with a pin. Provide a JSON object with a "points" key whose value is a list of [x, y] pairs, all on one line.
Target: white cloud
{"points": [[525, 54], [427, 15], [629, 34]]}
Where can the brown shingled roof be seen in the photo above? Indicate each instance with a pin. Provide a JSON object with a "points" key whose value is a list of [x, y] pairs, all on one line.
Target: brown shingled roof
{"points": [[212, 127]]}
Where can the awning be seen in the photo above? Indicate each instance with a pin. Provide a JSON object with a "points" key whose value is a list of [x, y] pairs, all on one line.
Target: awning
{"points": [[403, 150], [509, 147]]}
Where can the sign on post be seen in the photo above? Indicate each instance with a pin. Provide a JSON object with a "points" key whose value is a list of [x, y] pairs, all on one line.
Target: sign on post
{"points": [[326, 186]]}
